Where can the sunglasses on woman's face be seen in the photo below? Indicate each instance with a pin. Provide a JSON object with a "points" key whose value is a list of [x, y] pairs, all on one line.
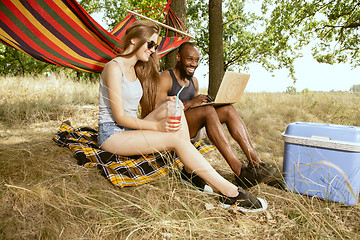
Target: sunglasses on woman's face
{"points": [[151, 44]]}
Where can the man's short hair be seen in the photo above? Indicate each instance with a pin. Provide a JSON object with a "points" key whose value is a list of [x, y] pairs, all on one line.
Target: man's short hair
{"points": [[184, 45]]}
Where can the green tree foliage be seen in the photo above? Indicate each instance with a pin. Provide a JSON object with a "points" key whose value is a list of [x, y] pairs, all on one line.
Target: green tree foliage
{"points": [[115, 10], [355, 88], [332, 25], [15, 62], [290, 89], [91, 6], [245, 40]]}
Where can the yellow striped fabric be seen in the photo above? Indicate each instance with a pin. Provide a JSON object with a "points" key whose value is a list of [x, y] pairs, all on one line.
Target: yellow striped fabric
{"points": [[119, 170]]}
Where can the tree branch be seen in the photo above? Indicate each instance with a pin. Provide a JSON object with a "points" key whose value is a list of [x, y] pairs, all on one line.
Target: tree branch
{"points": [[233, 59], [351, 25]]}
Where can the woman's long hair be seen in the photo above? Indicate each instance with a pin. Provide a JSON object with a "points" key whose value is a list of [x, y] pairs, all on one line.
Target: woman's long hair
{"points": [[147, 72]]}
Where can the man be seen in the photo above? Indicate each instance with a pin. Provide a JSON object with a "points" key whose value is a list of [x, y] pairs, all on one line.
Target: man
{"points": [[212, 117]]}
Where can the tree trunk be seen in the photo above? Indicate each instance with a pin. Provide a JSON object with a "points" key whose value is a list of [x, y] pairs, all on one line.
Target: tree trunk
{"points": [[179, 8], [216, 49]]}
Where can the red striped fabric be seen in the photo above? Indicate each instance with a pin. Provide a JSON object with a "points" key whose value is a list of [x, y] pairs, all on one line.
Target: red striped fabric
{"points": [[166, 44], [61, 32]]}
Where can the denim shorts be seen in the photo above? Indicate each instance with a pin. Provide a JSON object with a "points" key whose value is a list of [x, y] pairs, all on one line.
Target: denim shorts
{"points": [[107, 129]]}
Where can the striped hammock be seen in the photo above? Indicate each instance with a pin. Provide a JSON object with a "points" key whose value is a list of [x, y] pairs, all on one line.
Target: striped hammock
{"points": [[61, 32]]}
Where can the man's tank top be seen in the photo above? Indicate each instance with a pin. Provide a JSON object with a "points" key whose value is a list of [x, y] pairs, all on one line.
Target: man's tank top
{"points": [[132, 93], [187, 94]]}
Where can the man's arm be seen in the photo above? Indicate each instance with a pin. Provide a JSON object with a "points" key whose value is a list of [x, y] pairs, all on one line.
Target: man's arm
{"points": [[164, 87], [198, 98]]}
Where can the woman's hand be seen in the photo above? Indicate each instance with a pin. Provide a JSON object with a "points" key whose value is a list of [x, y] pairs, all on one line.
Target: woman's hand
{"points": [[167, 125], [170, 124]]}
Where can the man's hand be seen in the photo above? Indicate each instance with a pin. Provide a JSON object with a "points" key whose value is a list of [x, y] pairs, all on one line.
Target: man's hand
{"points": [[201, 98], [198, 100]]}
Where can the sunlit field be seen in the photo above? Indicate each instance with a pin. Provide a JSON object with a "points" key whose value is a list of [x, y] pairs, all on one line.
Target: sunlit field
{"points": [[44, 194]]}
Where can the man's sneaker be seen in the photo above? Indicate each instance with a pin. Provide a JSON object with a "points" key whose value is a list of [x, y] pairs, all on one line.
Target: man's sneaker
{"points": [[244, 202], [193, 180], [251, 176]]}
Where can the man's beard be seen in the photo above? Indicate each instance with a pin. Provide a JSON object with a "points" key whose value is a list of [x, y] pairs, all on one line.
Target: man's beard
{"points": [[186, 74]]}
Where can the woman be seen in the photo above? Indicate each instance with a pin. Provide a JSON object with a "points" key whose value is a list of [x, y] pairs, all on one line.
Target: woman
{"points": [[134, 75]]}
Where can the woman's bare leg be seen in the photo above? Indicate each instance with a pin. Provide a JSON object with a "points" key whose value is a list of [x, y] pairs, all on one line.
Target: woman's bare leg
{"points": [[137, 142]]}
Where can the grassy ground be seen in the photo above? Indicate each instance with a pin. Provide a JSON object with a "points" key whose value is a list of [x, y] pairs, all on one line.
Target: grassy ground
{"points": [[44, 194]]}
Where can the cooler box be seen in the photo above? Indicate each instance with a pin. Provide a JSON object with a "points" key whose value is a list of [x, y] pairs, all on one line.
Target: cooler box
{"points": [[323, 160]]}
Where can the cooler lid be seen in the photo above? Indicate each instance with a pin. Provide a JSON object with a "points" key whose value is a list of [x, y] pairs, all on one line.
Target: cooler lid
{"points": [[321, 141], [332, 131]]}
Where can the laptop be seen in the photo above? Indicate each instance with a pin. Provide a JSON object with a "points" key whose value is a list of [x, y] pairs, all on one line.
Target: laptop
{"points": [[231, 89]]}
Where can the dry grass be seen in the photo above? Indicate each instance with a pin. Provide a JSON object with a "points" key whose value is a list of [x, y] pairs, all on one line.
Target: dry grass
{"points": [[46, 195]]}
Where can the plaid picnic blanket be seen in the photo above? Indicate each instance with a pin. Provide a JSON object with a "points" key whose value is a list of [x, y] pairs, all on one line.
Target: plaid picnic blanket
{"points": [[120, 170]]}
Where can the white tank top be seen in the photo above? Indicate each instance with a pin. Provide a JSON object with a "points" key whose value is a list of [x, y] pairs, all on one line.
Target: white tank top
{"points": [[132, 93]]}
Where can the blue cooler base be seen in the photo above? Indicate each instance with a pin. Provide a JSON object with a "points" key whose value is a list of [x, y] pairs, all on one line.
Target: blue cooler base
{"points": [[318, 161]]}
